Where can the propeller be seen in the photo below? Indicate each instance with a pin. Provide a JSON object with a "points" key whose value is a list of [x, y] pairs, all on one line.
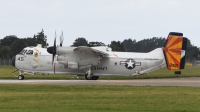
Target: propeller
{"points": [[61, 39], [52, 49]]}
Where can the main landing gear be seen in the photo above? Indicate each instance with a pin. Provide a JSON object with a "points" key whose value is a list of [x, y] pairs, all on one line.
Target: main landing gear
{"points": [[89, 75]]}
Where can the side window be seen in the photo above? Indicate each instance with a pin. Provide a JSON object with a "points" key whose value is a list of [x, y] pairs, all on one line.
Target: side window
{"points": [[30, 52]]}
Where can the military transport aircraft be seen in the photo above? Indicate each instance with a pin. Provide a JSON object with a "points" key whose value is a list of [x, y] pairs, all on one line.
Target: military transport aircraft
{"points": [[100, 61]]}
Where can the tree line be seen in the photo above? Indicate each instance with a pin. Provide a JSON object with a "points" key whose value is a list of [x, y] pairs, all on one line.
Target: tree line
{"points": [[145, 45], [11, 45]]}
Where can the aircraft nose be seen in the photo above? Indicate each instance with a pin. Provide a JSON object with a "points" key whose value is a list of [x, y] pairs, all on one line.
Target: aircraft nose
{"points": [[13, 61]]}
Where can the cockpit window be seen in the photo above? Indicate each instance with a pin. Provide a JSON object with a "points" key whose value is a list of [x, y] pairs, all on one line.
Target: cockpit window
{"points": [[29, 52], [22, 51], [25, 52]]}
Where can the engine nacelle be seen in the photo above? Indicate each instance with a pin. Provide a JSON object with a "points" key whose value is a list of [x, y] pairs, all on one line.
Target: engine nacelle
{"points": [[70, 65], [61, 58], [64, 50]]}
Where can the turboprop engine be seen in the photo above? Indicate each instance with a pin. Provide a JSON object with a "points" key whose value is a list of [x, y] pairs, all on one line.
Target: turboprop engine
{"points": [[64, 50], [72, 59]]}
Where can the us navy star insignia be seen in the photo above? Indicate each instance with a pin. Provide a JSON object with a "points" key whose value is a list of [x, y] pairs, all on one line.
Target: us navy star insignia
{"points": [[130, 63]]}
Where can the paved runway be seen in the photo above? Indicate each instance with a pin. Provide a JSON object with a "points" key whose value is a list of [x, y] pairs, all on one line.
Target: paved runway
{"points": [[194, 81]]}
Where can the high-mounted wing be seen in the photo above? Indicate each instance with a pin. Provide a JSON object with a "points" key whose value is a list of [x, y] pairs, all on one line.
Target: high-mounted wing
{"points": [[89, 50], [81, 57]]}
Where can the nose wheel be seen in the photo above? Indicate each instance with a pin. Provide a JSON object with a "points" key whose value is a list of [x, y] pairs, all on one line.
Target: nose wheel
{"points": [[21, 77]]}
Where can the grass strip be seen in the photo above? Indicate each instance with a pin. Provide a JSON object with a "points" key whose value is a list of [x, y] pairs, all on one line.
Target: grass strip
{"points": [[62, 98], [6, 73]]}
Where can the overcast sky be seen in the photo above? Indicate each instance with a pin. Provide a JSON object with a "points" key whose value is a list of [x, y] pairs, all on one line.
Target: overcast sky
{"points": [[100, 20]]}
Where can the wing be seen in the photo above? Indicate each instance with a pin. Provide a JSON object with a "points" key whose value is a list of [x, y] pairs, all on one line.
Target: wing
{"points": [[90, 50], [81, 57]]}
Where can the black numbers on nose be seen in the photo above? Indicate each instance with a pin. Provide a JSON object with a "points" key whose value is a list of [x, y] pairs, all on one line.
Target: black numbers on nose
{"points": [[21, 59]]}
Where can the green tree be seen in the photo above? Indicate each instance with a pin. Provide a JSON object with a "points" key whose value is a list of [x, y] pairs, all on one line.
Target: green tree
{"points": [[0, 51], [41, 38], [80, 42], [5, 50], [129, 45], [145, 45], [5, 44], [8, 40], [116, 46], [192, 51], [17, 46]]}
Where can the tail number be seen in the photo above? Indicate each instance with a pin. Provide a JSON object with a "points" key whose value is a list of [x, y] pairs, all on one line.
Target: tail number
{"points": [[173, 65]]}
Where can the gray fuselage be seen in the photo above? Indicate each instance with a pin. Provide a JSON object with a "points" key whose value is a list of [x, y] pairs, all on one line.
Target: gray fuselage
{"points": [[119, 64]]}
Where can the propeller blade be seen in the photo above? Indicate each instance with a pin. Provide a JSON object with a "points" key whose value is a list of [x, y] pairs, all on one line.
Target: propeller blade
{"points": [[54, 64], [61, 39], [54, 49], [55, 40], [54, 69], [52, 59]]}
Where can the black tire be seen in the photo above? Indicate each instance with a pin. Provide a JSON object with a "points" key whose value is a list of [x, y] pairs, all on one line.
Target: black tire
{"points": [[95, 77], [91, 77], [88, 78], [21, 77]]}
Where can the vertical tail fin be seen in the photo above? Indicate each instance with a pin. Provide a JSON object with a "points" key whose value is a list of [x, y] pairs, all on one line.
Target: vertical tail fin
{"points": [[174, 51]]}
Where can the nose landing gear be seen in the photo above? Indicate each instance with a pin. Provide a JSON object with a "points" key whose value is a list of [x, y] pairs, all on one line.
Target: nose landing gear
{"points": [[20, 76]]}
